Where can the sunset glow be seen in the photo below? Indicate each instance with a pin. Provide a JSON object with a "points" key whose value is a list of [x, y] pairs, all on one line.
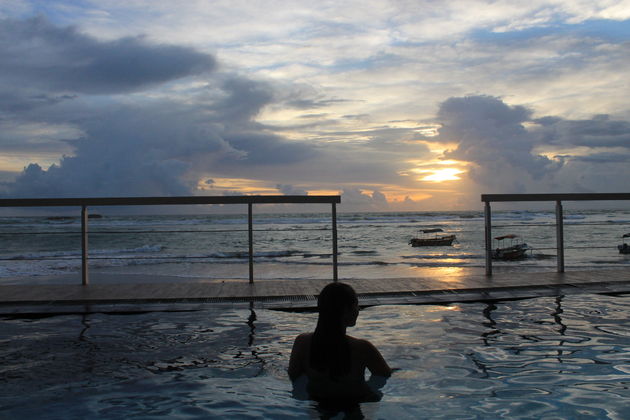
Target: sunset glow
{"points": [[441, 175], [243, 186]]}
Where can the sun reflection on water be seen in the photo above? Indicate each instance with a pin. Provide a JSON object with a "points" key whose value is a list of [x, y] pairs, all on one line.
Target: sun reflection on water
{"points": [[449, 274]]}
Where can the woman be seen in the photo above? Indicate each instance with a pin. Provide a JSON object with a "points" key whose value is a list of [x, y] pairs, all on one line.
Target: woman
{"points": [[334, 362]]}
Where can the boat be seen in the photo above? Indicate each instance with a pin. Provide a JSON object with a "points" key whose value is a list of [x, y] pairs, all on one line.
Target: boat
{"points": [[515, 249], [60, 218], [624, 248], [437, 240]]}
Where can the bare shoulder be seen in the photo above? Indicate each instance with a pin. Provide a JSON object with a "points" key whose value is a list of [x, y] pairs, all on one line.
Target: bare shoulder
{"points": [[304, 337], [360, 344], [370, 356], [299, 355], [301, 341]]}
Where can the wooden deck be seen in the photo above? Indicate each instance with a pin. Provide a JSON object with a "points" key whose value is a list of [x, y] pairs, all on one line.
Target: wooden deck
{"points": [[300, 294]]}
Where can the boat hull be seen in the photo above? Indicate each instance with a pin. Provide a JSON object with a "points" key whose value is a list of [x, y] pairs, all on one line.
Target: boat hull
{"points": [[515, 252], [441, 241]]}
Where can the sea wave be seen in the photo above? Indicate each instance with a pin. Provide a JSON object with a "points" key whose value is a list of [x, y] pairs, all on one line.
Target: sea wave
{"points": [[450, 264], [365, 252], [144, 249], [372, 240], [449, 256], [243, 255]]}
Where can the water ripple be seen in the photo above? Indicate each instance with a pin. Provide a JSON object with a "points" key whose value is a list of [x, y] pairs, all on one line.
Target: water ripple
{"points": [[563, 357]]}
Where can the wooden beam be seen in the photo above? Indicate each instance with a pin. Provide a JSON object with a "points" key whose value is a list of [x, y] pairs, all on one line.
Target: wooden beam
{"points": [[152, 201], [488, 198]]}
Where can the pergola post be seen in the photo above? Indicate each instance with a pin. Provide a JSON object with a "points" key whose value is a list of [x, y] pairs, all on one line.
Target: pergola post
{"points": [[84, 246], [488, 235], [560, 236], [334, 242], [250, 232]]}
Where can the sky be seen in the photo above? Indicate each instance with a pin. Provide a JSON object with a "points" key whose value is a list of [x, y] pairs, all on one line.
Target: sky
{"points": [[395, 105]]}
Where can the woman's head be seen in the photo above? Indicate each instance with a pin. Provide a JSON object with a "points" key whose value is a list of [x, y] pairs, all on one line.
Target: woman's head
{"points": [[338, 309], [338, 305]]}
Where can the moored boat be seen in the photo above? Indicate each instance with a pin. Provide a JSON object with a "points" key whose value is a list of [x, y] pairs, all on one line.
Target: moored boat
{"points": [[624, 248], [514, 251], [437, 240]]}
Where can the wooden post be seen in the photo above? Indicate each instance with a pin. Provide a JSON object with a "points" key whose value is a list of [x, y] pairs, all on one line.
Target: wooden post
{"points": [[250, 231], [560, 236], [84, 246], [334, 240], [488, 231]]}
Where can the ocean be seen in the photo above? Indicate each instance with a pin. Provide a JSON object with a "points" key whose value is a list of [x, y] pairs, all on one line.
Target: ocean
{"points": [[299, 245]]}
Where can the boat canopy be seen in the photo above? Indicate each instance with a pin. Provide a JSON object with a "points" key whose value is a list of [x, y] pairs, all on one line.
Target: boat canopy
{"points": [[431, 230], [510, 236], [626, 235]]}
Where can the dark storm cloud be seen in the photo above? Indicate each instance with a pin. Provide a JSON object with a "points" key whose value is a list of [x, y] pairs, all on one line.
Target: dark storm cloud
{"points": [[242, 99], [599, 131], [268, 149], [145, 146], [605, 157], [128, 151], [53, 59], [21, 98], [160, 148]]}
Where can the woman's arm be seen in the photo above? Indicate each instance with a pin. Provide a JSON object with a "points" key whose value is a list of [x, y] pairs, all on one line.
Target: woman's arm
{"points": [[375, 361], [298, 356]]}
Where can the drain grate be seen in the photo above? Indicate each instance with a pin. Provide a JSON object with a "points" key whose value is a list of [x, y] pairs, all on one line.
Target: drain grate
{"points": [[291, 298], [387, 294]]}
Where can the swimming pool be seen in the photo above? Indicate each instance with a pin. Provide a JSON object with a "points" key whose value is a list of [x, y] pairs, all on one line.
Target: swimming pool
{"points": [[565, 357]]}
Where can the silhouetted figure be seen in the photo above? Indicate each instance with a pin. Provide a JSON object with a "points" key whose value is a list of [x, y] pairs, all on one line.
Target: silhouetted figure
{"points": [[333, 363]]}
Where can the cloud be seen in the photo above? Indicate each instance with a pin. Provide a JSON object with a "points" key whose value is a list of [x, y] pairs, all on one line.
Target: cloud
{"points": [[491, 135], [152, 145], [54, 59], [359, 199], [160, 147], [268, 149], [502, 143], [597, 132], [604, 157], [344, 102], [287, 189]]}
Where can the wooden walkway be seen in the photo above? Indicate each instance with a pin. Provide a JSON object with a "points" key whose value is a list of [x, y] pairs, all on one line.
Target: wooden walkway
{"points": [[300, 294]]}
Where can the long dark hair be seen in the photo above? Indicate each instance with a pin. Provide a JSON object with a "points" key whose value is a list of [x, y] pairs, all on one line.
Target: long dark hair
{"points": [[329, 347]]}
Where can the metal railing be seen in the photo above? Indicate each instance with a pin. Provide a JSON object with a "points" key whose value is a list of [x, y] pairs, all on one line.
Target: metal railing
{"points": [[250, 200], [558, 198]]}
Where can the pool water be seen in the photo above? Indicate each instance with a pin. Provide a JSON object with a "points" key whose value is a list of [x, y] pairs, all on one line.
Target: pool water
{"points": [[564, 357]]}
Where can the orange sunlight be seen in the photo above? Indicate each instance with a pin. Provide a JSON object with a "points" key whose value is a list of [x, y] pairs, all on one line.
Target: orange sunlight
{"points": [[240, 185], [324, 192], [441, 175]]}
